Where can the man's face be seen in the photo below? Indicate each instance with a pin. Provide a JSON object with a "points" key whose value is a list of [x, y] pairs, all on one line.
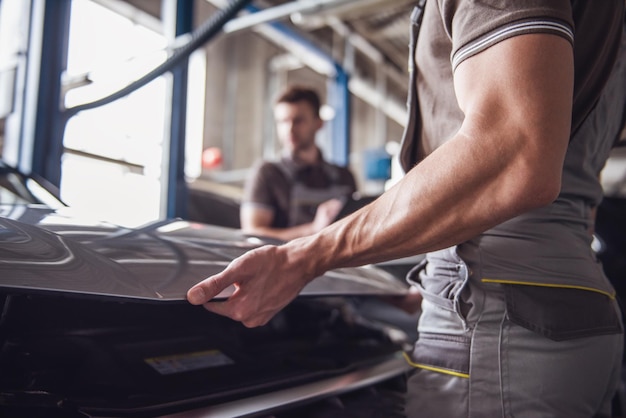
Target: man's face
{"points": [[296, 125]]}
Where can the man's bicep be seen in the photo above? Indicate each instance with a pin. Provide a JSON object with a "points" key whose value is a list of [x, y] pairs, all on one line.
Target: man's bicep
{"points": [[520, 88], [528, 77], [517, 100]]}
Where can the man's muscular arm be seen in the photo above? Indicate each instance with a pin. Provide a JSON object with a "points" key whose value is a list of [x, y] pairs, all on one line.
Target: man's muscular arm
{"points": [[506, 159]]}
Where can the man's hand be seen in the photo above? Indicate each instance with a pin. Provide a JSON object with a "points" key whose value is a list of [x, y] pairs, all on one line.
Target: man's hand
{"points": [[258, 221], [265, 281], [506, 159], [410, 303], [326, 213]]}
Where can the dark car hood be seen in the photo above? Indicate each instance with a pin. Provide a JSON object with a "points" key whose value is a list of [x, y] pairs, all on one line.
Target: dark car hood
{"points": [[44, 250]]}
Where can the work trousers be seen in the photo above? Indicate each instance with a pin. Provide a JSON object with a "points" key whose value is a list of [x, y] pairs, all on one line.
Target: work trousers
{"points": [[472, 361]]}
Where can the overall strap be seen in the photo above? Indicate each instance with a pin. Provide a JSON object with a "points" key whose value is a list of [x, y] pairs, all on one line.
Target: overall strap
{"points": [[409, 144]]}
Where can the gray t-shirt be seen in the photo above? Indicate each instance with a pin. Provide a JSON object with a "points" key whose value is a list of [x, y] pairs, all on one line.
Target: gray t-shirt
{"points": [[551, 245], [293, 191]]}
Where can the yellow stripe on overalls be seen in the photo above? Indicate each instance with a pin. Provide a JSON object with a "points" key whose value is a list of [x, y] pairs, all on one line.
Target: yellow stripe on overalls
{"points": [[434, 369], [559, 286]]}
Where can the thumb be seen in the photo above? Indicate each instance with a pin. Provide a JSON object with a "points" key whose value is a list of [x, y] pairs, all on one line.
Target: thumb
{"points": [[207, 289]]}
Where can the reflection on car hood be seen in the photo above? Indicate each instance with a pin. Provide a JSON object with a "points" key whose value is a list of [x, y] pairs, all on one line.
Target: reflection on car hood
{"points": [[57, 251]]}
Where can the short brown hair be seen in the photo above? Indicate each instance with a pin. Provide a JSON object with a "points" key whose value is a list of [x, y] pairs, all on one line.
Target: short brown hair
{"points": [[296, 93]]}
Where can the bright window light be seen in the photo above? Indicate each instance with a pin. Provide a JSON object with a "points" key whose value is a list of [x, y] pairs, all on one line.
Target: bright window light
{"points": [[112, 167]]}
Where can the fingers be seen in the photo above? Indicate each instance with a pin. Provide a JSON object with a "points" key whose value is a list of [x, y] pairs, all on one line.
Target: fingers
{"points": [[326, 213], [258, 296], [212, 286], [411, 302], [332, 205], [232, 309], [240, 307], [207, 289], [196, 295]]}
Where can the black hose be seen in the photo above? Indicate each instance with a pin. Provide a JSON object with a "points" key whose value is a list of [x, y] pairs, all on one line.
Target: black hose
{"points": [[198, 37]]}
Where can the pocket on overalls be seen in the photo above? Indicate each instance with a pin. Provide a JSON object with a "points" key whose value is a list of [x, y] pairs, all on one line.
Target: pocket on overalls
{"points": [[561, 313], [443, 343], [442, 281]]}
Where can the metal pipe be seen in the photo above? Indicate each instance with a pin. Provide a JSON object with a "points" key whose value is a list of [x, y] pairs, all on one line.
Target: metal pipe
{"points": [[275, 13], [321, 63]]}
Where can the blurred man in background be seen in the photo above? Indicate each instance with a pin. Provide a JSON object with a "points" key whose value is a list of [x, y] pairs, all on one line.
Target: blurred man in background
{"points": [[302, 193]]}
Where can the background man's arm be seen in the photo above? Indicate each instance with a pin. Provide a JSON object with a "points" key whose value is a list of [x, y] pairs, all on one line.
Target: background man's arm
{"points": [[257, 220]]}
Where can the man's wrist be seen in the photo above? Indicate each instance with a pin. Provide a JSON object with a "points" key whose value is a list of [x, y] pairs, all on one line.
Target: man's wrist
{"points": [[306, 256]]}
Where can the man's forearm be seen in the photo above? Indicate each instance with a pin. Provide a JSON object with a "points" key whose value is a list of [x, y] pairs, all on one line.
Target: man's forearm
{"points": [[506, 159], [441, 202]]}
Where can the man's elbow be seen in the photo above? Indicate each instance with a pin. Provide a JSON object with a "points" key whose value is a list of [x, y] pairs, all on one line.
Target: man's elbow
{"points": [[547, 194], [539, 191], [537, 175]]}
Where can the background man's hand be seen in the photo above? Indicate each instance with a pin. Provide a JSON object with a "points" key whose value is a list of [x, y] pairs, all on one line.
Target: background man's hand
{"points": [[326, 213], [410, 303]]}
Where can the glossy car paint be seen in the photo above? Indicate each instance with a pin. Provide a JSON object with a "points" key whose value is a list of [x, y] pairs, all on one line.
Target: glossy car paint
{"points": [[58, 251], [95, 323]]}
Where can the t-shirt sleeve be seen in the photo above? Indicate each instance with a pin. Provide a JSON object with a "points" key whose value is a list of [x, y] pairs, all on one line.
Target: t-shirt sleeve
{"points": [[350, 181], [476, 25], [257, 189]]}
